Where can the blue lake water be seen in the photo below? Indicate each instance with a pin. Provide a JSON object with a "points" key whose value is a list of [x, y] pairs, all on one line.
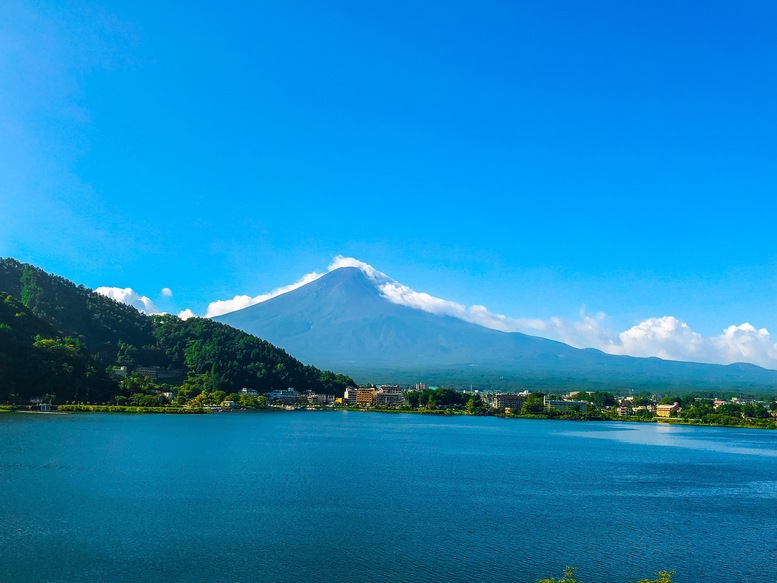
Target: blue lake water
{"points": [[348, 496]]}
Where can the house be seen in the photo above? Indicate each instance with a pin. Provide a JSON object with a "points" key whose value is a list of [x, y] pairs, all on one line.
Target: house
{"points": [[249, 392], [625, 408], [650, 408], [666, 410]]}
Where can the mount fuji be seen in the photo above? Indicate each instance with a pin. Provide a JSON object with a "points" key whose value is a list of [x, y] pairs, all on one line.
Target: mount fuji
{"points": [[344, 321]]}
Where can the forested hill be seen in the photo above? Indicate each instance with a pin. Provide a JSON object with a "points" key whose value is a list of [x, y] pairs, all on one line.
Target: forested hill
{"points": [[61, 339]]}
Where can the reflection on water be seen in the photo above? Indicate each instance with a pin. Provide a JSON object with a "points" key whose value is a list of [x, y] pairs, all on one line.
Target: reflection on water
{"points": [[734, 441]]}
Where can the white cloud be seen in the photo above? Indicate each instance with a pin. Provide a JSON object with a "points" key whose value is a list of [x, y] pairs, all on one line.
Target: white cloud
{"points": [[665, 337], [220, 307], [143, 303], [130, 297], [745, 343], [167, 292], [670, 338], [341, 261], [186, 314]]}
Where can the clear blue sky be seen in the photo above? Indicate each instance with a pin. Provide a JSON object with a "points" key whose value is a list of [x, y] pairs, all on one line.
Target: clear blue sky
{"points": [[534, 157]]}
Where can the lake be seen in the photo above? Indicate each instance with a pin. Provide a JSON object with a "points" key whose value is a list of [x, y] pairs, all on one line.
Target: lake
{"points": [[350, 496]]}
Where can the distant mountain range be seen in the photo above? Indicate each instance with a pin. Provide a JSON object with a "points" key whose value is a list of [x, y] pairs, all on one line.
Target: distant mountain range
{"points": [[342, 321]]}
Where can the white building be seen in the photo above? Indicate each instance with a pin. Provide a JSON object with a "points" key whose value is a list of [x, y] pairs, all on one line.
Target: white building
{"points": [[389, 395], [284, 396]]}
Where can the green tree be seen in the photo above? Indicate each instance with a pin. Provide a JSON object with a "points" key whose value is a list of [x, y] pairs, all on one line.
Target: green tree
{"points": [[413, 398], [603, 399], [126, 355], [534, 404], [663, 577], [569, 577]]}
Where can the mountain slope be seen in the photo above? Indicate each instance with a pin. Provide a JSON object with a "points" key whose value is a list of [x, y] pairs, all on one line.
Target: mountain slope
{"points": [[342, 321], [58, 337]]}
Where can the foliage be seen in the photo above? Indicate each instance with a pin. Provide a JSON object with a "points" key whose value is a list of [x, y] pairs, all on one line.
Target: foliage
{"points": [[439, 399], [63, 339], [663, 577], [569, 577], [534, 404], [220, 358]]}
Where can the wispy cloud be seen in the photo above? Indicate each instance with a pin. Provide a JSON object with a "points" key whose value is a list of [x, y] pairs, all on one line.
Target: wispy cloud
{"points": [[167, 292], [220, 307]]}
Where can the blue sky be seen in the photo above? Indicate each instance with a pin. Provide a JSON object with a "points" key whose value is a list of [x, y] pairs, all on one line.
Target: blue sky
{"points": [[604, 162]]}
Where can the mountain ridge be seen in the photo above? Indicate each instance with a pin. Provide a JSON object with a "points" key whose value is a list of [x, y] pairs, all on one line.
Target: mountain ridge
{"points": [[342, 319]]}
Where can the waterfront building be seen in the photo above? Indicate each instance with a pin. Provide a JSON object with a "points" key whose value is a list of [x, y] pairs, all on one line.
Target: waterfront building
{"points": [[560, 405], [319, 399], [507, 401], [365, 396], [349, 397], [284, 396], [651, 408], [389, 395], [666, 410]]}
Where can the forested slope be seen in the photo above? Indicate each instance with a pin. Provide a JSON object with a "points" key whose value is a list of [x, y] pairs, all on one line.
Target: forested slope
{"points": [[62, 339]]}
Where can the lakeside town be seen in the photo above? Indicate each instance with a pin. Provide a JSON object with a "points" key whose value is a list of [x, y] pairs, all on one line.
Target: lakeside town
{"points": [[705, 409]]}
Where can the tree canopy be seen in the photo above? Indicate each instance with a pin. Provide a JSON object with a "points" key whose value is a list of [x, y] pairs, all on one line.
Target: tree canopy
{"points": [[63, 339]]}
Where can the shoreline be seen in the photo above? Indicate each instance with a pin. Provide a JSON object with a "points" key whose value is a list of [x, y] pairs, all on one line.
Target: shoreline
{"points": [[136, 410]]}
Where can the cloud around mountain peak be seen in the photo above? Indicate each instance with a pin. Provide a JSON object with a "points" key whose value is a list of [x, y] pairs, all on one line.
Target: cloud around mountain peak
{"points": [[666, 336]]}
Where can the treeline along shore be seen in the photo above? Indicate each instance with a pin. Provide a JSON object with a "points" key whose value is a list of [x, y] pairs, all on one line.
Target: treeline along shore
{"points": [[579, 406]]}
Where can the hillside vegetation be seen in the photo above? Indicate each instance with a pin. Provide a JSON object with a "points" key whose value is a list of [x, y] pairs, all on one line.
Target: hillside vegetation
{"points": [[61, 340]]}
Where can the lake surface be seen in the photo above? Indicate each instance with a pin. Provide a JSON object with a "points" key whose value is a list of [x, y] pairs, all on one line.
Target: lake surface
{"points": [[349, 496]]}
